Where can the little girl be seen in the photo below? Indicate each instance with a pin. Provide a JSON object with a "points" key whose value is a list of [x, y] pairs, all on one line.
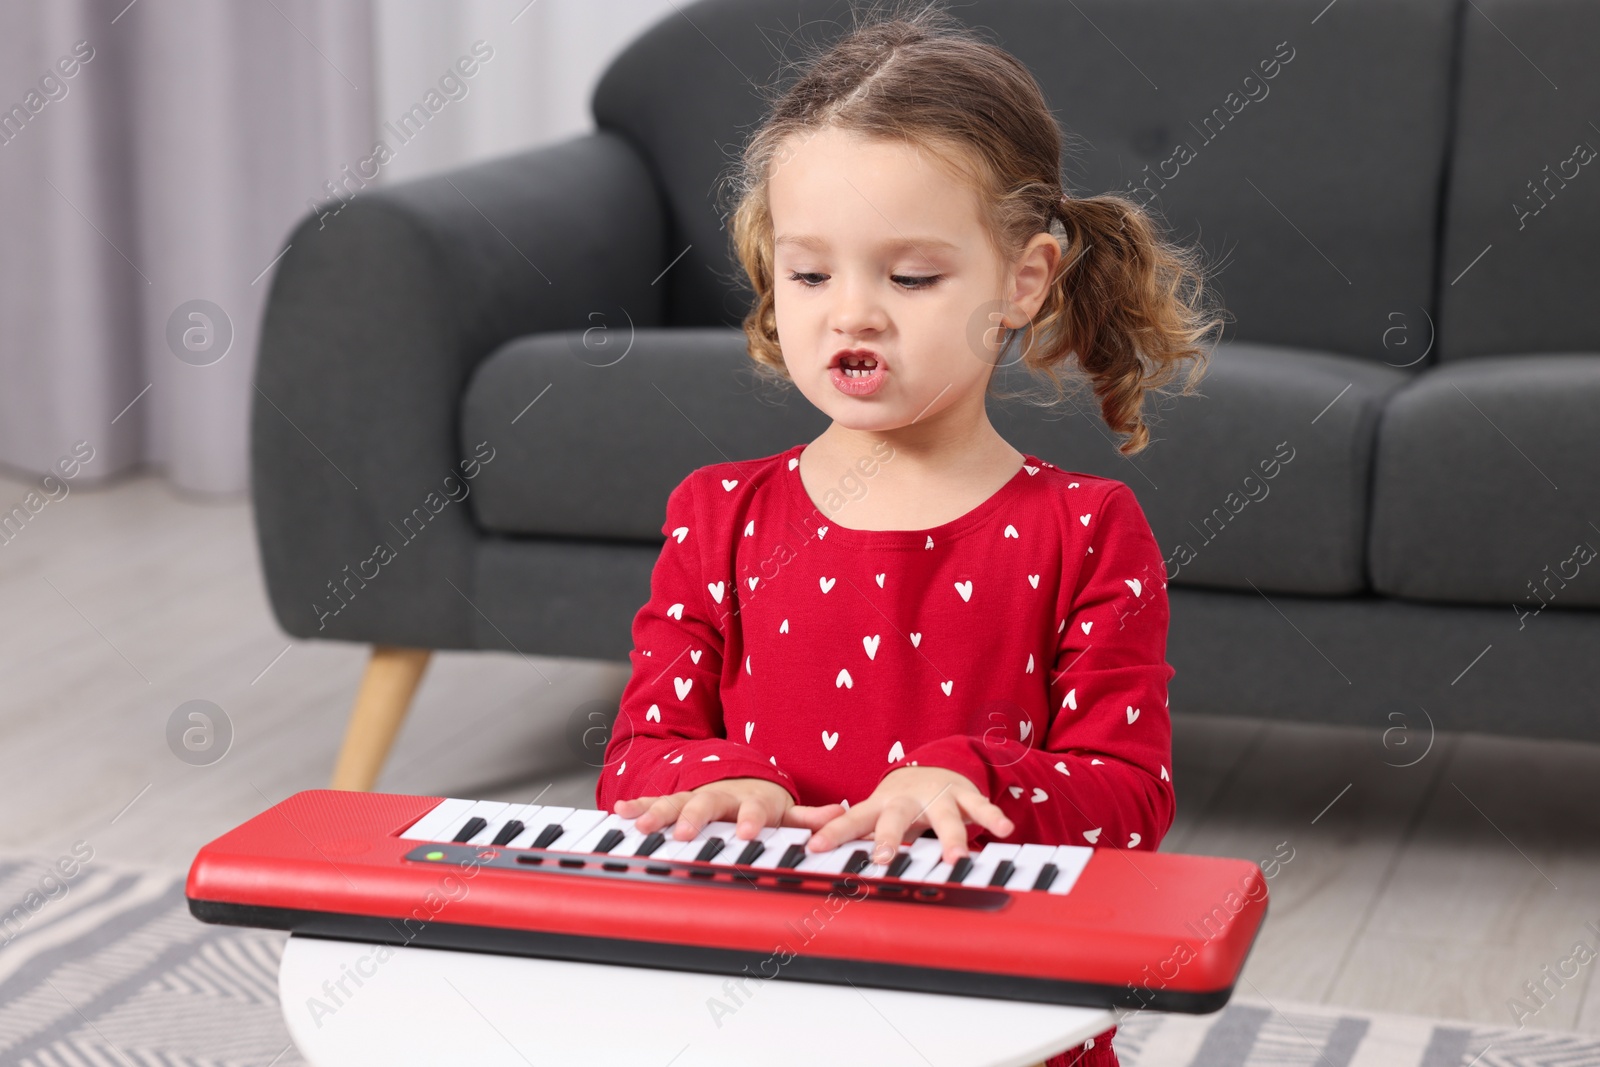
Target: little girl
{"points": [[907, 624]]}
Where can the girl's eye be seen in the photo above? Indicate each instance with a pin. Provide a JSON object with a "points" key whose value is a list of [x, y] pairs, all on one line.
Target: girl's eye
{"points": [[908, 281]]}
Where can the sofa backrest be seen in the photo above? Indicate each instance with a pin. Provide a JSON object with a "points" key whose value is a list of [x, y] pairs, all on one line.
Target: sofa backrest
{"points": [[1301, 146], [1521, 250]]}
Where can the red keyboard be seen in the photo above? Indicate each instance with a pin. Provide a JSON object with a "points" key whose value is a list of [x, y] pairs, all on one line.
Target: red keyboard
{"points": [[1063, 924]]}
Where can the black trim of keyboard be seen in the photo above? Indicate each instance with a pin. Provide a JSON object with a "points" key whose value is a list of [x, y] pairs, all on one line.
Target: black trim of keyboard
{"points": [[706, 960]]}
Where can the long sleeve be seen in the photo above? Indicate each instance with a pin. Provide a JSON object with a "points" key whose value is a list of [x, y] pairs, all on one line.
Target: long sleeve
{"points": [[1100, 775], [669, 734]]}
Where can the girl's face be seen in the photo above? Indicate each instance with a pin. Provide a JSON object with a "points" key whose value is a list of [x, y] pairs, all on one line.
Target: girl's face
{"points": [[878, 248]]}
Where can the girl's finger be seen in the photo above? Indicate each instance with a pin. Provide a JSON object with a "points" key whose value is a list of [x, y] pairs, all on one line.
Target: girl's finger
{"points": [[987, 813], [634, 809], [811, 817], [891, 828], [701, 807], [847, 827], [752, 817], [951, 830]]}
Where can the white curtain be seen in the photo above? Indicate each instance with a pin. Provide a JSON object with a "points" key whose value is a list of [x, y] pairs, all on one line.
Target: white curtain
{"points": [[155, 154]]}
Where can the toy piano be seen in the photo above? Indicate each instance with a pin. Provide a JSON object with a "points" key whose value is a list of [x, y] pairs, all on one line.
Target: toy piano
{"points": [[1066, 925]]}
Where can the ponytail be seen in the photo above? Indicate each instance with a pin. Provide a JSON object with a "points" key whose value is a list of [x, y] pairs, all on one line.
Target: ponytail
{"points": [[1127, 304]]}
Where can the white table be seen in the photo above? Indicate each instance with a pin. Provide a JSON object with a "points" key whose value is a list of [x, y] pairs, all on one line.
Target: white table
{"points": [[423, 1007]]}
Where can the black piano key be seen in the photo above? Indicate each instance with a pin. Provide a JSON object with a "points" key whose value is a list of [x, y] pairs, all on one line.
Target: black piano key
{"points": [[901, 861], [548, 834], [751, 853], [651, 843], [1047, 874], [857, 862], [709, 850], [610, 840], [960, 870], [792, 856], [509, 831], [1003, 872], [471, 829]]}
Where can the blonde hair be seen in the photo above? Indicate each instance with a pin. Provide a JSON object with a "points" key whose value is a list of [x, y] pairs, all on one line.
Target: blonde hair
{"points": [[1124, 301]]}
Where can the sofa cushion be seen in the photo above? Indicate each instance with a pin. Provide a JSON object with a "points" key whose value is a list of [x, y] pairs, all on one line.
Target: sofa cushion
{"points": [[1259, 484], [1486, 484], [592, 435], [1522, 212]]}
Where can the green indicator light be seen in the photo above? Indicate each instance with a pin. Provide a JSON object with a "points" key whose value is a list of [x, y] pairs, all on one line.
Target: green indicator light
{"points": [[434, 856]]}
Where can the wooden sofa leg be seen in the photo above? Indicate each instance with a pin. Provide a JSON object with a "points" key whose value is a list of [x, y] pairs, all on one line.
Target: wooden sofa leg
{"points": [[386, 690]]}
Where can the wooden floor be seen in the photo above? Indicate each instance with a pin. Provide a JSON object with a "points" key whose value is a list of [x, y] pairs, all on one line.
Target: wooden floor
{"points": [[1435, 889]]}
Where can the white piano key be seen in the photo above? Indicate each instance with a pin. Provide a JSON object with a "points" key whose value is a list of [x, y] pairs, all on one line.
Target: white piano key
{"points": [[427, 828], [832, 861], [782, 837], [881, 870], [576, 827], [735, 845], [1029, 860], [985, 862], [541, 818], [925, 853], [591, 839], [1069, 861], [498, 822], [483, 809]]}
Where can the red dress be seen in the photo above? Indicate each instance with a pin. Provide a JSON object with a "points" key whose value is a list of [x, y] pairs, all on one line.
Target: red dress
{"points": [[1022, 645]]}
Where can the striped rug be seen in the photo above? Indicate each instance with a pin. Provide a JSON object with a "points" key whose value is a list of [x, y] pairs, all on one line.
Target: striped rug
{"points": [[108, 969]]}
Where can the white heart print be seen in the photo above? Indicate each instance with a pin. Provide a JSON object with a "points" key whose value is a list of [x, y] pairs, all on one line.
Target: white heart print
{"points": [[654, 714], [880, 578], [829, 740], [1134, 584], [871, 645], [896, 753], [676, 612], [965, 589], [1039, 795], [749, 728], [683, 685], [729, 483], [680, 533], [916, 640], [1072, 699], [1092, 836], [716, 591], [843, 679], [1011, 531], [1133, 713], [826, 583], [947, 686]]}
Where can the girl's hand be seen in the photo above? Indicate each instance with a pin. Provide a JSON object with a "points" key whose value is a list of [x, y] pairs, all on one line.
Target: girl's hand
{"points": [[909, 800], [751, 802]]}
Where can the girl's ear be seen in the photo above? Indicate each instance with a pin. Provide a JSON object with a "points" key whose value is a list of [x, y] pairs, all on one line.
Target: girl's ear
{"points": [[1033, 274]]}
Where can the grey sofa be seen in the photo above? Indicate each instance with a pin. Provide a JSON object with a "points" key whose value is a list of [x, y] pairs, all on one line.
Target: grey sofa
{"points": [[1381, 512]]}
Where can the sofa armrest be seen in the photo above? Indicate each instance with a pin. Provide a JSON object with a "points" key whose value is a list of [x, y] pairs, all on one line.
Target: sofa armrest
{"points": [[379, 313]]}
